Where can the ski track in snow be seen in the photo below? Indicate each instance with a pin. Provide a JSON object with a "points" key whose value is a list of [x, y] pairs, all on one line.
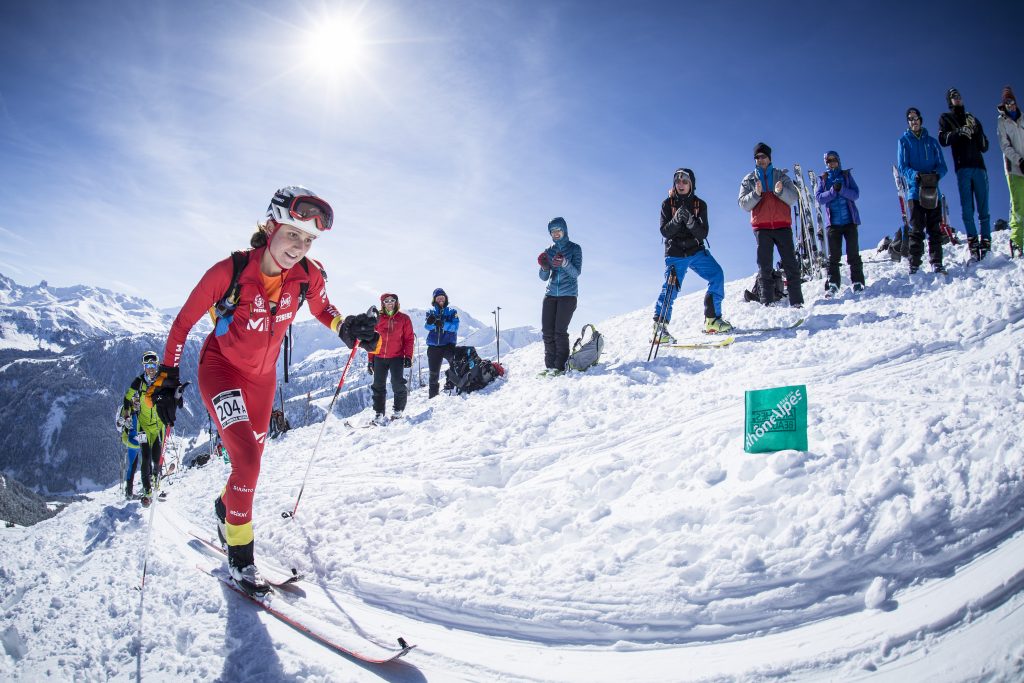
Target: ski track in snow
{"points": [[608, 525]]}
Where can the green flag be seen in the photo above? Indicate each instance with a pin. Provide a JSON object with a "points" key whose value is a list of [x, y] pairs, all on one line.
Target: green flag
{"points": [[776, 419]]}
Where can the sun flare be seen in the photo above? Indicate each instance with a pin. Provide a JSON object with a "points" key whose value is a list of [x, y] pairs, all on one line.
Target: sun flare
{"points": [[336, 48]]}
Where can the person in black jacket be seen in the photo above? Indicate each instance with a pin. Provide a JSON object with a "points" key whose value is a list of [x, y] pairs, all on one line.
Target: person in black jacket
{"points": [[684, 225], [959, 130]]}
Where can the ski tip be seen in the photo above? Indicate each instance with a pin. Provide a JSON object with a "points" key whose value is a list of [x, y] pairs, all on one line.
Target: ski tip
{"points": [[401, 643]]}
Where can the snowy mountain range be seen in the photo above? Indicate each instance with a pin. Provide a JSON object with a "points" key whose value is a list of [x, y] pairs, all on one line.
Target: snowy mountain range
{"points": [[602, 526], [68, 354]]}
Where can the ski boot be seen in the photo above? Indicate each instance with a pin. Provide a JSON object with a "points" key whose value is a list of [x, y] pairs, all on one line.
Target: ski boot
{"points": [[379, 420], [1015, 250], [858, 287], [665, 337], [243, 570], [984, 247], [396, 415], [716, 325], [222, 514], [939, 269], [146, 500], [974, 248], [831, 290]]}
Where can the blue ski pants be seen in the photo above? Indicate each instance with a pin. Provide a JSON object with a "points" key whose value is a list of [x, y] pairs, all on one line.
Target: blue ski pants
{"points": [[705, 266], [973, 185]]}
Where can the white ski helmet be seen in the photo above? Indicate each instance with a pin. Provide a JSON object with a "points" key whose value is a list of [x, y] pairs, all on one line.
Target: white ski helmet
{"points": [[300, 208]]}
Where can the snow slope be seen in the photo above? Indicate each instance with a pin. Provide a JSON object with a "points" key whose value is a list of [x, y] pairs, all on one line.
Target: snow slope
{"points": [[606, 526]]}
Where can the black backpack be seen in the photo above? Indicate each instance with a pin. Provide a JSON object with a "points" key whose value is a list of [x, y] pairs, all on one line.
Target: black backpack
{"points": [[467, 372]]}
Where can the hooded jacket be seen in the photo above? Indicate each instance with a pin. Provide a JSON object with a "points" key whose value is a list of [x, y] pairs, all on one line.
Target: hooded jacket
{"points": [[916, 155], [848, 194], [395, 330], [1011, 141], [680, 240], [562, 281], [446, 318]]}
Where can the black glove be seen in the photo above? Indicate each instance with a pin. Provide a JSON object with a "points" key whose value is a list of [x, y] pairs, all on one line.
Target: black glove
{"points": [[837, 186], [683, 217], [359, 327], [407, 362], [431, 318], [166, 394], [369, 367]]}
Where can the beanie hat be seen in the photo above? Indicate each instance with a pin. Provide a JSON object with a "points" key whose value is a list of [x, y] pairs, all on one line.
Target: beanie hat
{"points": [[688, 174], [439, 292], [558, 223], [1008, 94], [915, 110], [949, 95], [761, 148]]}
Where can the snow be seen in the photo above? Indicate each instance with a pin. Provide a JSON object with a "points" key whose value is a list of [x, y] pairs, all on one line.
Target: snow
{"points": [[605, 526]]}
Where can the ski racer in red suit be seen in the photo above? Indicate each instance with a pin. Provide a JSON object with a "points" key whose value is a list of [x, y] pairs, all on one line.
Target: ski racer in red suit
{"points": [[238, 361]]}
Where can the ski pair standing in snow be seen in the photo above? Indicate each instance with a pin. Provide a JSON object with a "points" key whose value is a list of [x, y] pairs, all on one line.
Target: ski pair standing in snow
{"points": [[768, 193], [237, 370], [1011, 142], [560, 266], [685, 226], [921, 165], [137, 407], [838, 193], [960, 131], [442, 324], [394, 356]]}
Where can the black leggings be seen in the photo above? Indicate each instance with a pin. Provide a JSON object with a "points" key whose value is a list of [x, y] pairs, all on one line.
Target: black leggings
{"points": [[555, 317], [381, 368], [149, 454], [435, 354]]}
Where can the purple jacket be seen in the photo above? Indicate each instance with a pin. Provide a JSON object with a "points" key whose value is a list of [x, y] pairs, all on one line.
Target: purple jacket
{"points": [[849, 191]]}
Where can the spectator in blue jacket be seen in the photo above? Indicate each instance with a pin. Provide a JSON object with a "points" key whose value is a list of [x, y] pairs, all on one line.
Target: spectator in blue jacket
{"points": [[442, 324], [560, 266], [838, 193], [919, 161]]}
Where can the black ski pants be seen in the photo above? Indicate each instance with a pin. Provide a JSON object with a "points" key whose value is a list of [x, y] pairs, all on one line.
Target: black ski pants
{"points": [[556, 314], [925, 221], [768, 240], [435, 354], [836, 234], [149, 454], [382, 367]]}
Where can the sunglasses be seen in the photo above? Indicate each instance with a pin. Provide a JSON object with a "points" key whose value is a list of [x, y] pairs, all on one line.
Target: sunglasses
{"points": [[831, 160], [391, 300], [1010, 102], [911, 119], [760, 156], [955, 96], [307, 208]]}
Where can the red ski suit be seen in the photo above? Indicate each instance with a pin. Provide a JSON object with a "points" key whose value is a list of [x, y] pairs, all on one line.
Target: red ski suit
{"points": [[238, 370]]}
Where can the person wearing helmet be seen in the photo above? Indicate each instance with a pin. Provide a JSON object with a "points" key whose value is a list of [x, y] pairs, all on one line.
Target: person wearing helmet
{"points": [[238, 362], [395, 355], [139, 415]]}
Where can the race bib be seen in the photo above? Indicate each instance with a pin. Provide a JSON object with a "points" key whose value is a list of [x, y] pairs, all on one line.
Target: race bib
{"points": [[230, 407]]}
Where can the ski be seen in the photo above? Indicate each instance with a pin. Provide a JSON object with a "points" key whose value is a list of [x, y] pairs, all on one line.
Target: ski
{"points": [[275, 576], [287, 614], [758, 330], [703, 345]]}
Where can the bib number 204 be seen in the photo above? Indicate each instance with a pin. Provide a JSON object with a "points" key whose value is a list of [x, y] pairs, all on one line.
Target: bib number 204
{"points": [[230, 407]]}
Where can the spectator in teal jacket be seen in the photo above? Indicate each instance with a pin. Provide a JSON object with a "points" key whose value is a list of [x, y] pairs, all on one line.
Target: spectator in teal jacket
{"points": [[560, 265]]}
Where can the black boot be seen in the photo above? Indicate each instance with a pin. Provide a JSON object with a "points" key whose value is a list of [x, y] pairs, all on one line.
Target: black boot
{"points": [[974, 248], [984, 248], [242, 568], [222, 514]]}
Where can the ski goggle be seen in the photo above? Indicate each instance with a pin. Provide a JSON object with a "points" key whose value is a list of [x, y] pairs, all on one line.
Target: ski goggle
{"points": [[150, 366], [307, 208], [391, 300]]}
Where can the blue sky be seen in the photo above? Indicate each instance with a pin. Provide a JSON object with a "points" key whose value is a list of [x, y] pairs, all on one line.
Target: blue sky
{"points": [[141, 141]]}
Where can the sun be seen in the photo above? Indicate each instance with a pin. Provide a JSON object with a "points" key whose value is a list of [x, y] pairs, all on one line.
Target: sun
{"points": [[336, 48]]}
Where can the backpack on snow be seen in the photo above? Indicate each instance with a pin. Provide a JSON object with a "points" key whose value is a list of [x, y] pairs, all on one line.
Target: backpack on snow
{"points": [[778, 285], [467, 372], [586, 354]]}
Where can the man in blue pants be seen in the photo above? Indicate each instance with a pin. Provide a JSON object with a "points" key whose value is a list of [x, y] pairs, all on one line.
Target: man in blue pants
{"points": [[684, 225], [960, 131]]}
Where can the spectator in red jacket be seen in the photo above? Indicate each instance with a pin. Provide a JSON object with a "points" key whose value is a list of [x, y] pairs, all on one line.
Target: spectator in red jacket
{"points": [[395, 355], [238, 361]]}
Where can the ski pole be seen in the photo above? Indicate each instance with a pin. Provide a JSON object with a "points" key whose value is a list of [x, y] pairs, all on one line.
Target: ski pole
{"points": [[341, 383], [662, 320]]}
